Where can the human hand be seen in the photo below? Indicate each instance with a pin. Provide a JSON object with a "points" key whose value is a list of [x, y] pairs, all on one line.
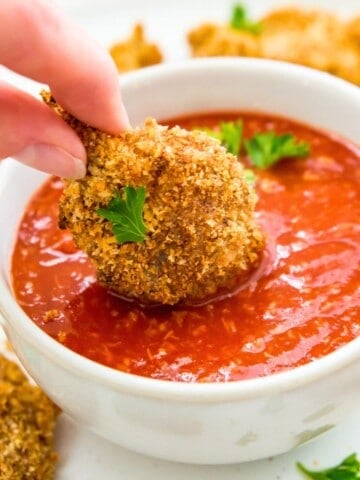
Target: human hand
{"points": [[38, 41]]}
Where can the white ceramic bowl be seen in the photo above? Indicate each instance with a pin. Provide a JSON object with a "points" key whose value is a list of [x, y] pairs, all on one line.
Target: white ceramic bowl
{"points": [[196, 423]]}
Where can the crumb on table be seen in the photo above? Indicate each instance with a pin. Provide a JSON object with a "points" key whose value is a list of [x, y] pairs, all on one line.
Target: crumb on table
{"points": [[27, 422]]}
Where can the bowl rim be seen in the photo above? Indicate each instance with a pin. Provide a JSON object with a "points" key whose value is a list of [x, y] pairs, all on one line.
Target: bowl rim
{"points": [[174, 390]]}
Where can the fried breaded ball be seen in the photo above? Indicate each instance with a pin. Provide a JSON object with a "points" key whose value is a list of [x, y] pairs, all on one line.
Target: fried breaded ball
{"points": [[353, 30], [199, 213], [300, 36], [210, 40], [313, 38], [27, 422], [135, 52]]}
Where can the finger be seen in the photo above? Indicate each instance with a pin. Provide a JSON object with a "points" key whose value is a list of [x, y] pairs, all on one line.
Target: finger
{"points": [[35, 135], [38, 41]]}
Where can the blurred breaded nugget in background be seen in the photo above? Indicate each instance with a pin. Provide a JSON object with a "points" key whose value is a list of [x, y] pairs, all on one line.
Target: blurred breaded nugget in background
{"points": [[300, 36], [348, 57], [27, 423], [210, 40], [313, 38], [135, 52], [353, 28]]}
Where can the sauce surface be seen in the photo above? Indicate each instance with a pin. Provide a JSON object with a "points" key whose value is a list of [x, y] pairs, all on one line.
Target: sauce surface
{"points": [[303, 303]]}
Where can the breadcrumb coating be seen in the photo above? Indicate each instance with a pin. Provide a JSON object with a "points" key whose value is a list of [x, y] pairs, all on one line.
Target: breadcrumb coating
{"points": [[199, 213], [313, 38], [135, 52], [27, 422], [211, 40]]}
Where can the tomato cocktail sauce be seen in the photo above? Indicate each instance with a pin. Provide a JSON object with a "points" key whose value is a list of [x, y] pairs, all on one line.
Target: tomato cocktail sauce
{"points": [[303, 303]]}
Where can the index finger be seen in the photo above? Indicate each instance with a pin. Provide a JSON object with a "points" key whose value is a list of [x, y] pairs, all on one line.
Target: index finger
{"points": [[40, 42]]}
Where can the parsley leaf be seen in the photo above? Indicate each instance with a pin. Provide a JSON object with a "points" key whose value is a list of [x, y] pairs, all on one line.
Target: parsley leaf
{"points": [[229, 134], [249, 176], [266, 149], [240, 21], [126, 215], [348, 469]]}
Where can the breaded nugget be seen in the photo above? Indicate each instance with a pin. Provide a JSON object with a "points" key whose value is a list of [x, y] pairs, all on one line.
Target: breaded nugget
{"points": [[353, 30], [289, 18], [347, 57], [27, 422], [313, 38], [306, 37], [211, 40], [199, 213], [135, 52]]}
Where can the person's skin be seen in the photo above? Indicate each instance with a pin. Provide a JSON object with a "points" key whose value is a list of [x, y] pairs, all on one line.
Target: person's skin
{"points": [[39, 42]]}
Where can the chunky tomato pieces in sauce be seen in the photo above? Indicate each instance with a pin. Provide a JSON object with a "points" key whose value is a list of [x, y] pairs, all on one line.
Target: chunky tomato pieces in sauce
{"points": [[303, 303]]}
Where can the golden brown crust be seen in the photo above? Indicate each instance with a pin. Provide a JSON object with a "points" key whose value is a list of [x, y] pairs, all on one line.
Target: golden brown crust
{"points": [[210, 40], [308, 37], [27, 422], [135, 52], [201, 233]]}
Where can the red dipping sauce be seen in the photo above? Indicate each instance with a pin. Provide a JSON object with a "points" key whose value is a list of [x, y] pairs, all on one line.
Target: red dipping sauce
{"points": [[303, 304]]}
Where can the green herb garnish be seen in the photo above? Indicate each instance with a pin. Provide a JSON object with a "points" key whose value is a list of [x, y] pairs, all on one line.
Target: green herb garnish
{"points": [[249, 176], [126, 214], [240, 21], [229, 134], [266, 149], [348, 469]]}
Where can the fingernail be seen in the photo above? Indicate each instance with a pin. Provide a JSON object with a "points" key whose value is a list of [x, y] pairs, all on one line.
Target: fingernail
{"points": [[52, 159], [124, 117]]}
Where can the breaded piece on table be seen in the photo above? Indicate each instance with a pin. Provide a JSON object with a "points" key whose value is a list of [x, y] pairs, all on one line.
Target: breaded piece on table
{"points": [[27, 422], [199, 213], [135, 52], [314, 38]]}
